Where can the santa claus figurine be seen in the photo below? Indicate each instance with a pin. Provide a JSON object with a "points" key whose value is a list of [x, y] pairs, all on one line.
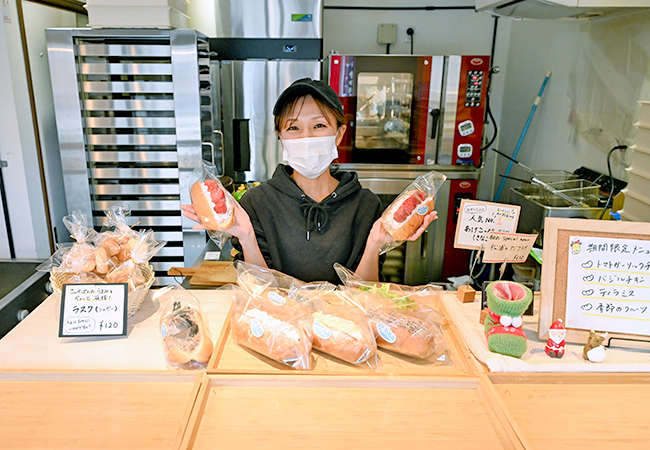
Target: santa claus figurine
{"points": [[555, 344]]}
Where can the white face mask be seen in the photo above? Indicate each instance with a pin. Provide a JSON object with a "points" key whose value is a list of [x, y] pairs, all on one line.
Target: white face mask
{"points": [[310, 157]]}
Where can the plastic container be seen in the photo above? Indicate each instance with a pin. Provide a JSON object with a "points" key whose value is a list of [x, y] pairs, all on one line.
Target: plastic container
{"points": [[636, 208], [644, 117], [639, 182], [164, 14], [640, 158], [642, 135], [583, 191], [179, 5]]}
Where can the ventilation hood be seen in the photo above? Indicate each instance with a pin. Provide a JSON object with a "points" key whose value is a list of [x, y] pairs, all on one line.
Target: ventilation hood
{"points": [[557, 9]]}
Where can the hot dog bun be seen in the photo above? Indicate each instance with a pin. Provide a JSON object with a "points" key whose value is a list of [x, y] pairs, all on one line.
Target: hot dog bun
{"points": [[213, 215], [343, 338], [288, 342], [411, 207], [403, 334]]}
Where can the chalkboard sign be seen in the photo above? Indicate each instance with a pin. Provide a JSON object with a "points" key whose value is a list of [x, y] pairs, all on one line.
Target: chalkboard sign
{"points": [[476, 219], [596, 274], [93, 310]]}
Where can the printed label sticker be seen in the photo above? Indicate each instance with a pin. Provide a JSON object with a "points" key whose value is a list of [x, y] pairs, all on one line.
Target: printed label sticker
{"points": [[256, 328], [386, 333], [277, 299], [322, 331]]}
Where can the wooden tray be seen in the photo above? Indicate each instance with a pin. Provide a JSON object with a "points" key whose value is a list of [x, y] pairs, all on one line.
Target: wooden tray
{"points": [[295, 412], [210, 273], [231, 358], [95, 410], [577, 410]]}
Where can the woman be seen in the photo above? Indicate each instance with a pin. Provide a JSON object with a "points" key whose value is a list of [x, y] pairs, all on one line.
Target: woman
{"points": [[306, 218]]}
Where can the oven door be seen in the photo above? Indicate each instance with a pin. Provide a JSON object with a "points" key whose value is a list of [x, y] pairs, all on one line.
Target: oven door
{"points": [[392, 106]]}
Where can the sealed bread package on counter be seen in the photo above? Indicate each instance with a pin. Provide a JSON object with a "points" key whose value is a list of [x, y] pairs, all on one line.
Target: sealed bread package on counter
{"points": [[339, 328], [184, 329], [213, 204], [406, 213], [402, 317], [268, 318]]}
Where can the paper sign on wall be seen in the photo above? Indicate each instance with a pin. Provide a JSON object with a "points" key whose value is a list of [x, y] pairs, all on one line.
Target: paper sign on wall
{"points": [[6, 17], [608, 285], [476, 219], [93, 310], [508, 247]]}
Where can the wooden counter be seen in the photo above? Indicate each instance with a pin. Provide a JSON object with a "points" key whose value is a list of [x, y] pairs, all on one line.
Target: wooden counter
{"points": [[119, 393], [34, 344]]}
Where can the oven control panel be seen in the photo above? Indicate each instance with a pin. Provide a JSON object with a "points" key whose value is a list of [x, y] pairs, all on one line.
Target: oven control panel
{"points": [[474, 88]]}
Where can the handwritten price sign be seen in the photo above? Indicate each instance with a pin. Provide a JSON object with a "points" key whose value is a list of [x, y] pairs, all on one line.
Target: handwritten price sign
{"points": [[93, 310], [477, 219], [509, 247]]}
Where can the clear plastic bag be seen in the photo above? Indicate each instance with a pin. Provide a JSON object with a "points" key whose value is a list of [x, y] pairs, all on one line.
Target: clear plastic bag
{"points": [[213, 204], [78, 257], [140, 250], [268, 318], [184, 329], [339, 328], [405, 214], [401, 317]]}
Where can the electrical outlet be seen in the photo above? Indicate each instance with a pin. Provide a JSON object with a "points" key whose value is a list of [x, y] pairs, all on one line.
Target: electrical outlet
{"points": [[387, 33]]}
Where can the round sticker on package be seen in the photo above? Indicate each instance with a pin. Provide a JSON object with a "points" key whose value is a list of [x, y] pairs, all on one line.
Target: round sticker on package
{"points": [[386, 333], [256, 328], [422, 210], [277, 299], [321, 330], [163, 331]]}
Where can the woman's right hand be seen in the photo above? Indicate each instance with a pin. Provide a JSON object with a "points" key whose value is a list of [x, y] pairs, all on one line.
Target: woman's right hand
{"points": [[188, 211], [240, 228]]}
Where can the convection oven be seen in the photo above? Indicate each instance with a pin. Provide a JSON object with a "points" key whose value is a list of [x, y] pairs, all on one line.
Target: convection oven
{"points": [[407, 115]]}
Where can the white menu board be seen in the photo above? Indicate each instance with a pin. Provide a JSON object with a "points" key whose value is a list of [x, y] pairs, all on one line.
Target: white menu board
{"points": [[608, 285]]}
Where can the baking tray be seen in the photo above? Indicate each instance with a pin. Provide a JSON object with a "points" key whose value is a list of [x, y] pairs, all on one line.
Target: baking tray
{"points": [[296, 412], [95, 410], [231, 358]]}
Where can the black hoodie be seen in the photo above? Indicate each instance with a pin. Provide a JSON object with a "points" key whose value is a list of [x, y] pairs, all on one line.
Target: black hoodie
{"points": [[303, 238]]}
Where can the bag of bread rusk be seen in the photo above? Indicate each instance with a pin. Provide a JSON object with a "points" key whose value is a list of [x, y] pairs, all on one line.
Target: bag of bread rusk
{"points": [[184, 329], [141, 250], [402, 317], [269, 318], [339, 328], [213, 204], [77, 257], [406, 213]]}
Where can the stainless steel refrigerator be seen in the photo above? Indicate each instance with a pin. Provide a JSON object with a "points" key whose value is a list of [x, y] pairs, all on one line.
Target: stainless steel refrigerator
{"points": [[261, 47]]}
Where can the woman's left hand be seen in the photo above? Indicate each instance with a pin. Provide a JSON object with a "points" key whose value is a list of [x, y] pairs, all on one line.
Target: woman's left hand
{"points": [[433, 215], [379, 236]]}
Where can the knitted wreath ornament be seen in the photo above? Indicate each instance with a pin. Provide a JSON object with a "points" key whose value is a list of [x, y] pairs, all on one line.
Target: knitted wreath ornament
{"points": [[507, 301]]}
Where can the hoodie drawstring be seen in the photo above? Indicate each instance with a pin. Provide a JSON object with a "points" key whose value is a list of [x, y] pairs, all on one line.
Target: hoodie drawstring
{"points": [[315, 214]]}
